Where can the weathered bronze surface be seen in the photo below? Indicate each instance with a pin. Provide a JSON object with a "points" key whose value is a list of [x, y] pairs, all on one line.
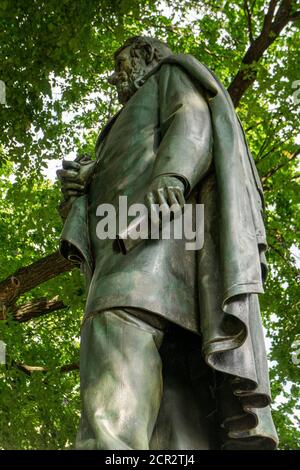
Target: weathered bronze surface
{"points": [[172, 351]]}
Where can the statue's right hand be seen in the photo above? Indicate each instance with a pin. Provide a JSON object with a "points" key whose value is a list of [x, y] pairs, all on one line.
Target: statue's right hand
{"points": [[70, 178]]}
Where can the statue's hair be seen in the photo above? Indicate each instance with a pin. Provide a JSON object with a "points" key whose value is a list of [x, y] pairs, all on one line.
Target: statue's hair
{"points": [[141, 43]]}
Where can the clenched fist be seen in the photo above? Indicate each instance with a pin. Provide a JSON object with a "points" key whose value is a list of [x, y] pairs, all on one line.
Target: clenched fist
{"points": [[74, 177]]}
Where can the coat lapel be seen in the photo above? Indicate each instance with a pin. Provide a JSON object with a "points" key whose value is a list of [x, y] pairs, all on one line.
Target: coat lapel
{"points": [[104, 132]]}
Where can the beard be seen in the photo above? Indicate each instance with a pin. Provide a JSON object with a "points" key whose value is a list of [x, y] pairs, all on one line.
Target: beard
{"points": [[128, 83], [125, 90]]}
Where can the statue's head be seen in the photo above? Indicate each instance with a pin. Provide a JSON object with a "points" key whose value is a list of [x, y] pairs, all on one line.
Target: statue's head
{"points": [[137, 56]]}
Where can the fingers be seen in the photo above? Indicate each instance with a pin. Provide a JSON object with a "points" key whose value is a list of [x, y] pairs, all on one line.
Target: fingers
{"points": [[67, 174], [69, 171], [152, 207], [71, 193], [175, 200], [70, 165], [160, 201], [161, 197], [180, 197], [168, 196], [171, 195], [72, 189], [72, 186]]}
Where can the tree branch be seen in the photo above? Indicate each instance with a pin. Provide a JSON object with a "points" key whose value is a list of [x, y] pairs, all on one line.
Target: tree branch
{"points": [[272, 27], [269, 16], [29, 370], [278, 167], [37, 308], [295, 16], [25, 279], [249, 20]]}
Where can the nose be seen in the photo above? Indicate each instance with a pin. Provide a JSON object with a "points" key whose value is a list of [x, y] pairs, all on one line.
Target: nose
{"points": [[112, 79]]}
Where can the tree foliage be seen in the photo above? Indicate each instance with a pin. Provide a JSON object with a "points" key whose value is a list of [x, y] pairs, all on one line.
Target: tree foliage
{"points": [[55, 58]]}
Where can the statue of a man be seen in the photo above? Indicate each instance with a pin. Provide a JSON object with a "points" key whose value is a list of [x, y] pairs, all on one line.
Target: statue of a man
{"points": [[172, 348]]}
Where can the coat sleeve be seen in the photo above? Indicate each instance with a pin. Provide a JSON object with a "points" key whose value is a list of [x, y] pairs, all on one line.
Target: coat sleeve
{"points": [[185, 148]]}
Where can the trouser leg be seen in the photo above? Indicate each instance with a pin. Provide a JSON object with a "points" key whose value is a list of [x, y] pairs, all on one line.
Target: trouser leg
{"points": [[121, 381]]}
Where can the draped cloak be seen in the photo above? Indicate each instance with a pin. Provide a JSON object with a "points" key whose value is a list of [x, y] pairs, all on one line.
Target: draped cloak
{"points": [[231, 268]]}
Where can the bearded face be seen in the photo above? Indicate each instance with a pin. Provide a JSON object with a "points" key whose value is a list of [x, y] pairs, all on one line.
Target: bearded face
{"points": [[128, 73]]}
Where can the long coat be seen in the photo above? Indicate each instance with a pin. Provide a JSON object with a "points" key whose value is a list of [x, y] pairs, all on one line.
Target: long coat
{"points": [[181, 122]]}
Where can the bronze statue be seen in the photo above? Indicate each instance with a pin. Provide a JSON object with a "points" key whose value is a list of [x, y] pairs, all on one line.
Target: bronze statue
{"points": [[172, 347]]}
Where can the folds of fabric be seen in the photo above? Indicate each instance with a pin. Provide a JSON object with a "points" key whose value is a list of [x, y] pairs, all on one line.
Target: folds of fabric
{"points": [[74, 239], [120, 380], [233, 344]]}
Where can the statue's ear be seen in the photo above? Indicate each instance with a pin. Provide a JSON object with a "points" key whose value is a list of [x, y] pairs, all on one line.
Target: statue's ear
{"points": [[148, 53]]}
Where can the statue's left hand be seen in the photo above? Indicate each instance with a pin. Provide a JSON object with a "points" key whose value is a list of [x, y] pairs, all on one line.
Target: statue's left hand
{"points": [[167, 192], [165, 195]]}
